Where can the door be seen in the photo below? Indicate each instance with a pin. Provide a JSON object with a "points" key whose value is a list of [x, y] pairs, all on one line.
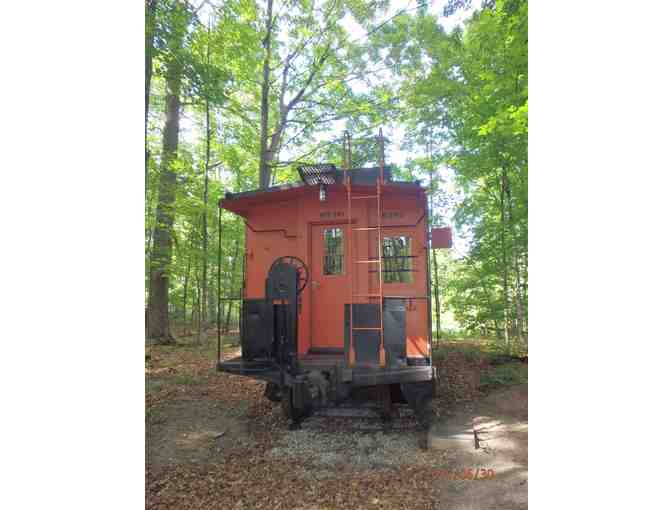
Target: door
{"points": [[329, 287]]}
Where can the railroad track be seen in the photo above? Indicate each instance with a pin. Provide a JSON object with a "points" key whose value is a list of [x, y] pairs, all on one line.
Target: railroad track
{"points": [[362, 419]]}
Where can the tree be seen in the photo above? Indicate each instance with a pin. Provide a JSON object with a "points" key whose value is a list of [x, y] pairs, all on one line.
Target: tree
{"points": [[257, 86], [159, 325], [308, 61], [469, 88], [200, 66], [150, 27]]}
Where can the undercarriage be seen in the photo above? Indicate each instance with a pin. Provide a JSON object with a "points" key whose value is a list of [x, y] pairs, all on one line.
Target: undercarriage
{"points": [[306, 382]]}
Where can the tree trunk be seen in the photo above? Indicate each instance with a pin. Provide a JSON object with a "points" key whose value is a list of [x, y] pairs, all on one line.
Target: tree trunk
{"points": [[520, 316], [231, 288], [212, 299], [150, 24], [148, 265], [184, 297], [196, 310], [150, 21], [505, 272], [264, 155], [159, 327], [516, 265], [517, 296], [519, 310], [227, 322], [523, 290], [204, 290]]}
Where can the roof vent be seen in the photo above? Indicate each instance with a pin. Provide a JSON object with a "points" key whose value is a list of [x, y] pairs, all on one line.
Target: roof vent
{"points": [[320, 174]]}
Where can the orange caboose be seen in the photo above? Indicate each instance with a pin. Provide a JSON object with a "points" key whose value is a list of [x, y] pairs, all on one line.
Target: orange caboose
{"points": [[336, 289]]}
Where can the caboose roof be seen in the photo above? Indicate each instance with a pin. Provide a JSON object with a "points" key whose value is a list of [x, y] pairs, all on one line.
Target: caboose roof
{"points": [[362, 179]]}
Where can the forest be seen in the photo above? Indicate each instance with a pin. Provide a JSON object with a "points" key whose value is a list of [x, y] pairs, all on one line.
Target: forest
{"points": [[237, 92]]}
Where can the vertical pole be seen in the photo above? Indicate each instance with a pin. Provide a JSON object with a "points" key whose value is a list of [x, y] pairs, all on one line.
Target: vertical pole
{"points": [[379, 191], [219, 284], [347, 157], [437, 310], [428, 286]]}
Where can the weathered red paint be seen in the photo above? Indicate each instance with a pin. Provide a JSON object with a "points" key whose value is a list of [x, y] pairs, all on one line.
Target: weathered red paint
{"points": [[442, 238], [292, 222]]}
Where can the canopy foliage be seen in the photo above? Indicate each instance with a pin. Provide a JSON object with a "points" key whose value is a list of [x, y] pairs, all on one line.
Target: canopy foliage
{"points": [[455, 101]]}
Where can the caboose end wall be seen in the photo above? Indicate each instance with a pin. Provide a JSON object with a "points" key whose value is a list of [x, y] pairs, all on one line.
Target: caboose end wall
{"points": [[296, 222]]}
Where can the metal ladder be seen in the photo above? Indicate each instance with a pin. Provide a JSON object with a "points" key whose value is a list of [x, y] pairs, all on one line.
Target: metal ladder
{"points": [[378, 230]]}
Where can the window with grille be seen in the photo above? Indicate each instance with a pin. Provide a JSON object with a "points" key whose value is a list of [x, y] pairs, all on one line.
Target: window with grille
{"points": [[397, 260], [333, 251]]}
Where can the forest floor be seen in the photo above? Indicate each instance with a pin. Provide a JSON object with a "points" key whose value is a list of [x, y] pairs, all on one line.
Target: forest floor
{"points": [[214, 441]]}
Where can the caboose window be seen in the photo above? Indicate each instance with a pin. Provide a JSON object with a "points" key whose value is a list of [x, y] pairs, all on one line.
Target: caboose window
{"points": [[333, 251], [397, 260]]}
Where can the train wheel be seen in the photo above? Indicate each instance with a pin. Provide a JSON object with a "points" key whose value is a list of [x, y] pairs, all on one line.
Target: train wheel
{"points": [[290, 411], [424, 414], [419, 397], [385, 397], [273, 392]]}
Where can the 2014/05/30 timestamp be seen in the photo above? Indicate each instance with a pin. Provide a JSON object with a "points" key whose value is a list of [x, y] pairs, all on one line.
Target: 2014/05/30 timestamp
{"points": [[466, 474]]}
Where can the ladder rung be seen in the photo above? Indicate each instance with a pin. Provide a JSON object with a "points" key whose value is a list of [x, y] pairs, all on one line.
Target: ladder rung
{"points": [[372, 261], [363, 197], [366, 329], [407, 297], [366, 228]]}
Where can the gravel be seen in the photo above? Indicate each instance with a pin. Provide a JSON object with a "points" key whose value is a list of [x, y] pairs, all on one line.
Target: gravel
{"points": [[359, 446]]}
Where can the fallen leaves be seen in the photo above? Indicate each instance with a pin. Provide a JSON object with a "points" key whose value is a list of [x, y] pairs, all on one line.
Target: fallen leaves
{"points": [[251, 483], [243, 474]]}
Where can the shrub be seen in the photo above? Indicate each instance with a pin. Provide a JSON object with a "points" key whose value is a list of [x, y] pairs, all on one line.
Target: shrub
{"points": [[504, 375]]}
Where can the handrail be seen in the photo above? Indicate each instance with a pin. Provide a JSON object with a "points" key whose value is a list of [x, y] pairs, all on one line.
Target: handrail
{"points": [[379, 192]]}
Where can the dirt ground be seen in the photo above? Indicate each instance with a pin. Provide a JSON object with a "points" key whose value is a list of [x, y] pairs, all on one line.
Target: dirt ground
{"points": [[214, 441], [500, 422]]}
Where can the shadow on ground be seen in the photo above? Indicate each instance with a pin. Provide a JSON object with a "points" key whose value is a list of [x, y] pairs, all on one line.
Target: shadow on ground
{"points": [[498, 426], [213, 441]]}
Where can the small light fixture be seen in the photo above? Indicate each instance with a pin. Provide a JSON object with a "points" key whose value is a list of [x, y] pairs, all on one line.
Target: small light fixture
{"points": [[323, 193]]}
